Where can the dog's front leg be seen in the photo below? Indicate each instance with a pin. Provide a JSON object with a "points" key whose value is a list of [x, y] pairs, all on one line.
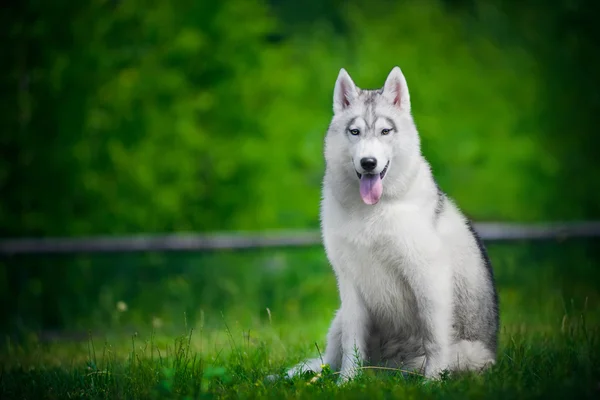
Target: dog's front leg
{"points": [[355, 322], [432, 285]]}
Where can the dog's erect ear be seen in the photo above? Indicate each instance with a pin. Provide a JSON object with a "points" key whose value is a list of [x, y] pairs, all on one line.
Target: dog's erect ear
{"points": [[344, 93], [395, 89]]}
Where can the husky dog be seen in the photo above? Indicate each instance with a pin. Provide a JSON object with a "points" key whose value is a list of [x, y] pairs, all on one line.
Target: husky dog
{"points": [[416, 285]]}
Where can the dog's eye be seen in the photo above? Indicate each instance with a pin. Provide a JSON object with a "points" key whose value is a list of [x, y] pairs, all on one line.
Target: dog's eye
{"points": [[354, 132], [385, 131]]}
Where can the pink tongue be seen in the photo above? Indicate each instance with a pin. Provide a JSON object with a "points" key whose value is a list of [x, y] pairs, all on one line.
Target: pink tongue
{"points": [[370, 188]]}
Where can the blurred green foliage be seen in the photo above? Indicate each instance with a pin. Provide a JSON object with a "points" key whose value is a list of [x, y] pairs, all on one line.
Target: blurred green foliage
{"points": [[128, 116], [538, 284]]}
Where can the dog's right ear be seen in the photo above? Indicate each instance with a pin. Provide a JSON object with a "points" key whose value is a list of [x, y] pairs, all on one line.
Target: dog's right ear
{"points": [[344, 93], [395, 89]]}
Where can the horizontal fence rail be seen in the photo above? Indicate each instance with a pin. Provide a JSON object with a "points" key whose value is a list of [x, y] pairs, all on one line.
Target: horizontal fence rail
{"points": [[489, 231]]}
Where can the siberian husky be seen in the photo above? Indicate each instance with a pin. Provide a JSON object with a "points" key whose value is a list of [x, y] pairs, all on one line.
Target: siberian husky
{"points": [[416, 285]]}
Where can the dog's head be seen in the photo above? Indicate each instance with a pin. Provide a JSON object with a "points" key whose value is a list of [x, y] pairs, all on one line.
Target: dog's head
{"points": [[372, 136]]}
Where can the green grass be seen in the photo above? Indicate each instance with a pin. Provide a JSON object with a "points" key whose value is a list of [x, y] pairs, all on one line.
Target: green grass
{"points": [[560, 363], [549, 344]]}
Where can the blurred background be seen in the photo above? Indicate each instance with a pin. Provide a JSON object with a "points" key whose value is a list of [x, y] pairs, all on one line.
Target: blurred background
{"points": [[125, 117]]}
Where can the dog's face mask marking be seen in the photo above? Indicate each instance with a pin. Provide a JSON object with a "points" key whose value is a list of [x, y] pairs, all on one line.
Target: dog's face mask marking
{"points": [[369, 146], [368, 119]]}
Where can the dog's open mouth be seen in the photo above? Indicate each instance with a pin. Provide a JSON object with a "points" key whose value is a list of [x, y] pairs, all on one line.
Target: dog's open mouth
{"points": [[381, 174], [371, 187]]}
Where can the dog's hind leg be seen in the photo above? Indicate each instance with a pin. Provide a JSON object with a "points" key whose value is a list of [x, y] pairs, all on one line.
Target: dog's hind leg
{"points": [[469, 355]]}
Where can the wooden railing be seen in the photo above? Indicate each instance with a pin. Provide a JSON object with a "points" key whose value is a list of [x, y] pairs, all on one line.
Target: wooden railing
{"points": [[489, 231]]}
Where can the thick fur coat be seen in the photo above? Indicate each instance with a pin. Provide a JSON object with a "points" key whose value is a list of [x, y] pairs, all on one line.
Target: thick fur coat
{"points": [[416, 285]]}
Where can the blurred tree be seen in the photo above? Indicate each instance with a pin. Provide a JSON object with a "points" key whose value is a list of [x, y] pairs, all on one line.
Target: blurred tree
{"points": [[131, 116], [188, 118], [125, 103]]}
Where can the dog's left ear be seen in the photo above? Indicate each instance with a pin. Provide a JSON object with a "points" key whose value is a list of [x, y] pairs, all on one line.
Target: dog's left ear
{"points": [[395, 89], [344, 93]]}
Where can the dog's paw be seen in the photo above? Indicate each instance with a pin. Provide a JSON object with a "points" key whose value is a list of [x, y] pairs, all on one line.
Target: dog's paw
{"points": [[436, 371], [313, 366], [348, 374], [436, 375], [344, 380]]}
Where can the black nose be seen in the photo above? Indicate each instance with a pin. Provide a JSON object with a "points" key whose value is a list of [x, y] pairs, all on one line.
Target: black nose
{"points": [[368, 163]]}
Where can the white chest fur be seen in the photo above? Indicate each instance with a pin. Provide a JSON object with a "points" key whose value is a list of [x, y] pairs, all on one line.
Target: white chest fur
{"points": [[376, 253]]}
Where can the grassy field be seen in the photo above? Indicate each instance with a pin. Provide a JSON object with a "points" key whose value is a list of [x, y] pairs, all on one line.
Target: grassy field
{"points": [[218, 331]]}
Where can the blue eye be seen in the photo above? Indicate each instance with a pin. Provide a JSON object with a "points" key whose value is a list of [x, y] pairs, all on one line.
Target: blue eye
{"points": [[354, 132], [385, 131]]}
